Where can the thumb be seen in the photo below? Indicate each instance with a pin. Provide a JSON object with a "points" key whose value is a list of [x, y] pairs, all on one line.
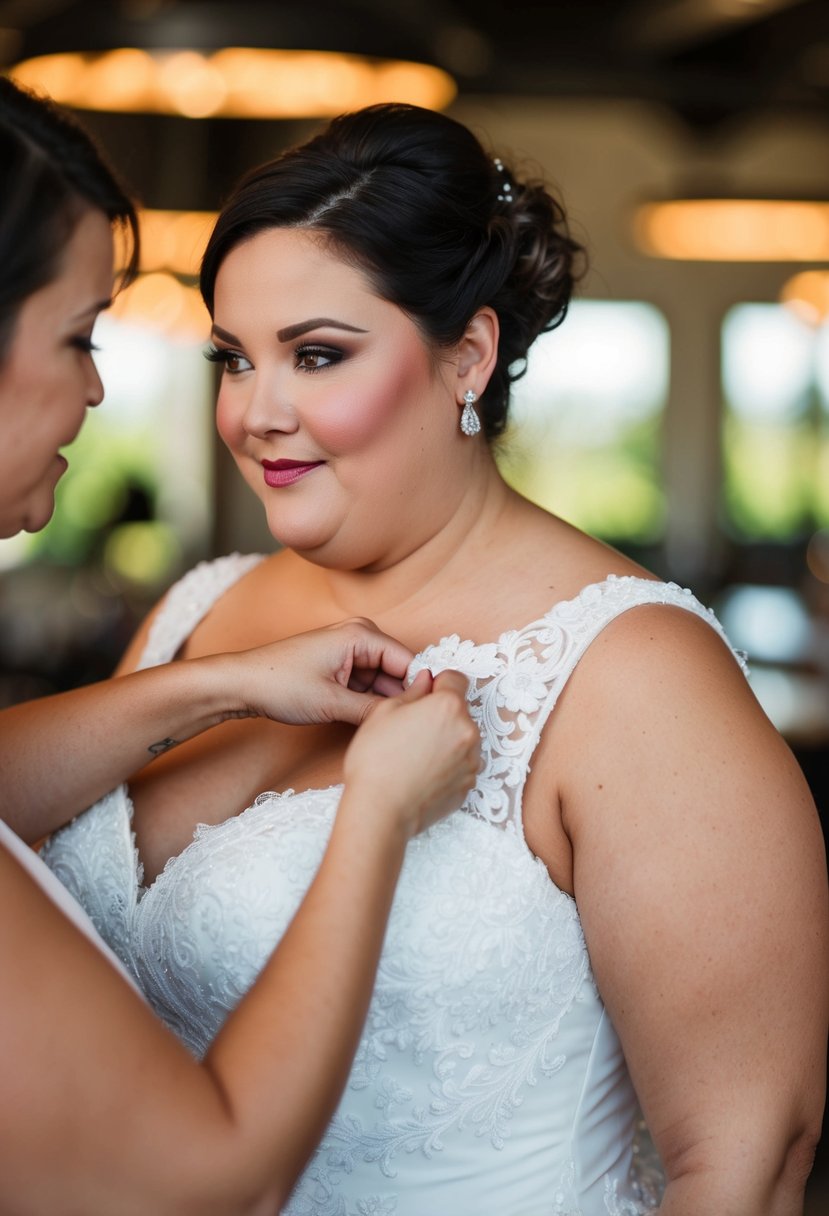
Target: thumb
{"points": [[354, 707], [419, 687], [452, 681]]}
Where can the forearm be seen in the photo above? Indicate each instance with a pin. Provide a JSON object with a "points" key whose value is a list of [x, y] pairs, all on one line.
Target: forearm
{"points": [[60, 754], [225, 1137], [307, 1010]]}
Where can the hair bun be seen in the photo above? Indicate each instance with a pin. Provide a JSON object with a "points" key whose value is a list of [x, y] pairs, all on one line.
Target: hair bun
{"points": [[542, 263]]}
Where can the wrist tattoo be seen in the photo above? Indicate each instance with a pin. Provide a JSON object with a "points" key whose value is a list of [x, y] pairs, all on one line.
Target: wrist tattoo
{"points": [[163, 745]]}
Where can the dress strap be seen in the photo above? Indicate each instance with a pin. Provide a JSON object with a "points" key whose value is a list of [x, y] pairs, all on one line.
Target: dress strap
{"points": [[566, 633], [515, 682], [188, 601]]}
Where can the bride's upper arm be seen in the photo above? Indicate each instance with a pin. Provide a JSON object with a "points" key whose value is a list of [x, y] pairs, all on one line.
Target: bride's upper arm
{"points": [[700, 878]]}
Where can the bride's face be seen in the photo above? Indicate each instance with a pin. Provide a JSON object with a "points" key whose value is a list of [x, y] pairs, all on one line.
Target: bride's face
{"points": [[338, 413]]}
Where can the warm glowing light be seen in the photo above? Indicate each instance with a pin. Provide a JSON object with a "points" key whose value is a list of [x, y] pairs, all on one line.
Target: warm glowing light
{"points": [[807, 294], [174, 240], [159, 301], [734, 230], [237, 82]]}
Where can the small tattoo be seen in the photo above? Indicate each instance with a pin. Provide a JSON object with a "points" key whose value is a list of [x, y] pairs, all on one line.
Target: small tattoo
{"points": [[164, 746]]}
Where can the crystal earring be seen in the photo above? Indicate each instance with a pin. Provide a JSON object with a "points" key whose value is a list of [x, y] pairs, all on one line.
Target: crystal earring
{"points": [[470, 422]]}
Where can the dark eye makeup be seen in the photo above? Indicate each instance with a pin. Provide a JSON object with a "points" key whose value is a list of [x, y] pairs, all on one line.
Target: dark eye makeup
{"points": [[317, 358], [307, 358], [227, 357]]}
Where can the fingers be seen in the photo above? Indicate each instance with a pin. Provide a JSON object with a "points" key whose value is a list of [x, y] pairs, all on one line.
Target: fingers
{"points": [[387, 686], [373, 651], [354, 707], [451, 681], [419, 687]]}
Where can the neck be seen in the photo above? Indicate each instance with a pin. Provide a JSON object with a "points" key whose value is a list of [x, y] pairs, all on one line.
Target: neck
{"points": [[418, 573]]}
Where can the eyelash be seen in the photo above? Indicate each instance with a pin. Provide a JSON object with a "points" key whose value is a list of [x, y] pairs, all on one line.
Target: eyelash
{"points": [[224, 355], [330, 353], [86, 345]]}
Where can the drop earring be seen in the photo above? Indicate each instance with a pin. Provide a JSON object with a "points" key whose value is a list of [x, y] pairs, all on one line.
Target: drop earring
{"points": [[470, 422]]}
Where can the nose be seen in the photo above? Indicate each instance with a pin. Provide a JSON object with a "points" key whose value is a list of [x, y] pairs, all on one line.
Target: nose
{"points": [[95, 386], [268, 410]]}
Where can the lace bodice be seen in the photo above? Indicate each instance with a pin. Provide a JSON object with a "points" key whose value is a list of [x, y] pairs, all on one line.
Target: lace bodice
{"points": [[489, 1079], [43, 877]]}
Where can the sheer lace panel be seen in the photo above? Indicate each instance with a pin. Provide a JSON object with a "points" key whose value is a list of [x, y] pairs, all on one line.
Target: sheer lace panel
{"points": [[516, 681]]}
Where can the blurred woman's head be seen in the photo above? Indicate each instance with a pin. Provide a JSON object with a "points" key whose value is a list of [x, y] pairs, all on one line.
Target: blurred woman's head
{"points": [[59, 201], [439, 228]]}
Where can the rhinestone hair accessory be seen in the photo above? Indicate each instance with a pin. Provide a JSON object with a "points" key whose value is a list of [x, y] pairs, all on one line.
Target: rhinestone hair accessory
{"points": [[470, 422], [505, 193]]}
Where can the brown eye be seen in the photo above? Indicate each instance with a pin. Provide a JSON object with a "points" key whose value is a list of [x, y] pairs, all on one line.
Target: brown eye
{"points": [[316, 358], [232, 361]]}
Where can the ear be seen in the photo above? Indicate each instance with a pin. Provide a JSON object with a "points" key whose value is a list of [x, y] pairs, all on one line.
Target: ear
{"points": [[477, 353]]}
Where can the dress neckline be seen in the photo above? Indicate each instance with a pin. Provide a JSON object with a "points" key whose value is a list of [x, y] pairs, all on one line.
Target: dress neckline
{"points": [[489, 651], [591, 591]]}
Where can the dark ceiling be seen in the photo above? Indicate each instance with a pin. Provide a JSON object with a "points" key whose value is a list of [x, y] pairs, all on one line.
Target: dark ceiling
{"points": [[707, 59], [710, 61]]}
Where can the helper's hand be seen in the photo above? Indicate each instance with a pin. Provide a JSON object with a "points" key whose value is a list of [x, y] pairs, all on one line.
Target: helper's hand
{"points": [[417, 756], [336, 674]]}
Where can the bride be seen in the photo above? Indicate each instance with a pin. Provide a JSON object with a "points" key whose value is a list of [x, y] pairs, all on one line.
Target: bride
{"points": [[630, 906]]}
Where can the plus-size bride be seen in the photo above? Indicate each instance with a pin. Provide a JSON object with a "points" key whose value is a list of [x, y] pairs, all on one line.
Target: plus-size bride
{"points": [[629, 906]]}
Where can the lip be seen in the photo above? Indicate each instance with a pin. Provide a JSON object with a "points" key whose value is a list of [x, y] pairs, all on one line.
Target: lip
{"points": [[285, 472]]}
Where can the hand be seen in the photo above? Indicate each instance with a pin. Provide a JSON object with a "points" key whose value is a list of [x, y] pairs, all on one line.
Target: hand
{"points": [[335, 674], [417, 756]]}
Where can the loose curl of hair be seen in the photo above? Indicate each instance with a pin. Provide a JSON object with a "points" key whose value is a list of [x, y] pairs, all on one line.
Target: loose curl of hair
{"points": [[411, 198], [51, 172]]}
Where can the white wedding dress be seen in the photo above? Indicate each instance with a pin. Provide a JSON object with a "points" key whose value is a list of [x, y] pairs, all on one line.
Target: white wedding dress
{"points": [[489, 1080], [57, 893]]}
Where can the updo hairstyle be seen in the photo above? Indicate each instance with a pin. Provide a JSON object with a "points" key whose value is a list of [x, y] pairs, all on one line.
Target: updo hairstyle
{"points": [[441, 229], [51, 172]]}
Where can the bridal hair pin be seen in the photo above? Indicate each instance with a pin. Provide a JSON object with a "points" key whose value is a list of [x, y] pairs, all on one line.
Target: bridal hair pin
{"points": [[505, 193]]}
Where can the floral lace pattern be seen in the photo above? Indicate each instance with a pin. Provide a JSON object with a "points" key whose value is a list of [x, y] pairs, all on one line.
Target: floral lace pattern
{"points": [[488, 1074], [517, 680]]}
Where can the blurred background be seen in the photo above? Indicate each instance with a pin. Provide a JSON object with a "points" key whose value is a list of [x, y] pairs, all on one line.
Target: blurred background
{"points": [[682, 411]]}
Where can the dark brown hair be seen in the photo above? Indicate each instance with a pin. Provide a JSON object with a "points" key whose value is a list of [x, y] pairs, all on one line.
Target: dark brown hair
{"points": [[50, 173], [440, 228]]}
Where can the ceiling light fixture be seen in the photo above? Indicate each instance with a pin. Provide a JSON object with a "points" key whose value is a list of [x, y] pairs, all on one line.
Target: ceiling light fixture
{"points": [[174, 241], [807, 295], [234, 82], [160, 301], [734, 230]]}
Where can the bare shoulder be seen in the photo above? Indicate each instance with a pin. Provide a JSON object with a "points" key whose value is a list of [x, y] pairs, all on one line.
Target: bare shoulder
{"points": [[663, 652], [678, 748], [564, 559]]}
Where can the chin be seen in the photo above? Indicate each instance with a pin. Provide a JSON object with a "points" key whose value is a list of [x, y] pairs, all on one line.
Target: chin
{"points": [[37, 517], [303, 536]]}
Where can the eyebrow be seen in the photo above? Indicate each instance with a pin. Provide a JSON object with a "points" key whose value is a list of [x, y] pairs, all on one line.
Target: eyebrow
{"points": [[225, 335], [303, 327], [100, 306]]}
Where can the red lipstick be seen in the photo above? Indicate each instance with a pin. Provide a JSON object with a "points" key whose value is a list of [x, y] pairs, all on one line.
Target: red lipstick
{"points": [[286, 472]]}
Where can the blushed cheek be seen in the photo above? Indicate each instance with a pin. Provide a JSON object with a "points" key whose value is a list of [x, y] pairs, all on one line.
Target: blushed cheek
{"points": [[363, 412], [228, 424]]}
